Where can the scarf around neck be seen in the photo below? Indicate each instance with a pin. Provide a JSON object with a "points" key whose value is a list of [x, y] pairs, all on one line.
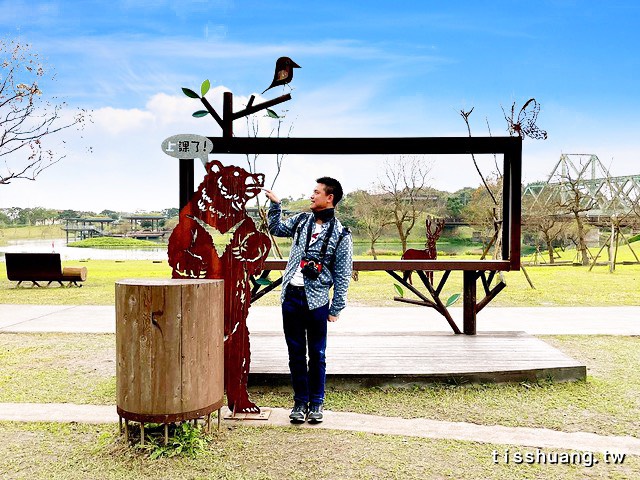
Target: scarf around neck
{"points": [[324, 215]]}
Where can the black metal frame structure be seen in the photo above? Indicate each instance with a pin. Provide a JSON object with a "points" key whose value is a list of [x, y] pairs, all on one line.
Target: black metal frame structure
{"points": [[509, 147]]}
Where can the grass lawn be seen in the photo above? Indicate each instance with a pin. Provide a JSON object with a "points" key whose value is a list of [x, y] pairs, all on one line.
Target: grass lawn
{"points": [[41, 232], [114, 242], [80, 368], [76, 368], [71, 451], [99, 289], [555, 286]]}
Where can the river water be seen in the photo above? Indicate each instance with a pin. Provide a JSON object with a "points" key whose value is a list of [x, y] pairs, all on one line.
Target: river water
{"points": [[160, 253], [75, 253]]}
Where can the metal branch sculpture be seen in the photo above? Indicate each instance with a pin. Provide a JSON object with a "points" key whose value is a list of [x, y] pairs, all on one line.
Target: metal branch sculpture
{"points": [[228, 115]]}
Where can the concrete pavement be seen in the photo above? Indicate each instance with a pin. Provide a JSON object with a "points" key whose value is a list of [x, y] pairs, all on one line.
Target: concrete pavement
{"points": [[356, 422], [532, 320]]}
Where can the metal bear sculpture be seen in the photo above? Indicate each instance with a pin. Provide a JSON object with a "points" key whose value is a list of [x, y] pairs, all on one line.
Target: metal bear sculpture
{"points": [[215, 238]]}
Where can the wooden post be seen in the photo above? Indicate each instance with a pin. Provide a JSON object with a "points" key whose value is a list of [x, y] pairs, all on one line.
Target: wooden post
{"points": [[469, 302], [512, 205], [169, 349], [186, 181], [227, 115]]}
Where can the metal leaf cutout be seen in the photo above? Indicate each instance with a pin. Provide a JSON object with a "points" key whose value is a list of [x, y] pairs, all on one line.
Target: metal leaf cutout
{"points": [[204, 88], [452, 299], [190, 93]]}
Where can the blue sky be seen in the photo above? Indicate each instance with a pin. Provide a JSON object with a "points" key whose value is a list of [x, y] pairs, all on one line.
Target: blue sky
{"points": [[368, 69]]}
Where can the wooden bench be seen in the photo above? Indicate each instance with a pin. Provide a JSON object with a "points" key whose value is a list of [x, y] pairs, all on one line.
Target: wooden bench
{"points": [[42, 267], [473, 270]]}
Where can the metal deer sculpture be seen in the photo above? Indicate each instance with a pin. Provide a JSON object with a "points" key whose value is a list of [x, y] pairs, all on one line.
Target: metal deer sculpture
{"points": [[433, 230], [215, 238]]}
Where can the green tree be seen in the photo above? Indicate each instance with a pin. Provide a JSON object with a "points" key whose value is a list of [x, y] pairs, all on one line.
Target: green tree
{"points": [[12, 213], [111, 214], [171, 212], [66, 214], [373, 215], [347, 211], [482, 213], [25, 216], [457, 201], [4, 218], [544, 222]]}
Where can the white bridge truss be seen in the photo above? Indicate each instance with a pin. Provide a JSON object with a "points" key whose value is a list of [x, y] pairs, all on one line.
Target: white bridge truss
{"points": [[602, 195]]}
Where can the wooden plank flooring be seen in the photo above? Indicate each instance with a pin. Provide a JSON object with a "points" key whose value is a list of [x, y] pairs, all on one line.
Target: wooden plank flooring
{"points": [[420, 357]]}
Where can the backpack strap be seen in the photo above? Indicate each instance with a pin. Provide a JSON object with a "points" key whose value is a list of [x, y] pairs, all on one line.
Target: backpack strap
{"points": [[295, 229], [327, 238], [345, 231]]}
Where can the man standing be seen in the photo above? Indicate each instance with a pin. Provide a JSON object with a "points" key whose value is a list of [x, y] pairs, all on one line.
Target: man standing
{"points": [[320, 257]]}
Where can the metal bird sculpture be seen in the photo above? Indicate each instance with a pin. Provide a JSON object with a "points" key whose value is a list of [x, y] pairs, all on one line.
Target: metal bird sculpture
{"points": [[284, 72]]}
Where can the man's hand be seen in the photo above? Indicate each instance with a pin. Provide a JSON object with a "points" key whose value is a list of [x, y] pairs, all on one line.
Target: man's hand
{"points": [[333, 319], [270, 195]]}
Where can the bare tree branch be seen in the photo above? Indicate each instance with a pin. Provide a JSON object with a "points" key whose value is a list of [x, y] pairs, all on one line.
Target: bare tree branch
{"points": [[26, 120], [465, 117], [404, 182]]}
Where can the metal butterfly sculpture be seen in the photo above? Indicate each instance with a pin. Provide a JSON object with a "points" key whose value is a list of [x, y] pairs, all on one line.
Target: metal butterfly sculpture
{"points": [[525, 123]]}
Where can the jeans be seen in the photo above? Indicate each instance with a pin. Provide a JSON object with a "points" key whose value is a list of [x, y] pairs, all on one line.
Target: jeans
{"points": [[304, 327]]}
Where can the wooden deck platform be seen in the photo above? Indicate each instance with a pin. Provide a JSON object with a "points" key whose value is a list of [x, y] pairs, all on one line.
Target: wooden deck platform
{"points": [[406, 358]]}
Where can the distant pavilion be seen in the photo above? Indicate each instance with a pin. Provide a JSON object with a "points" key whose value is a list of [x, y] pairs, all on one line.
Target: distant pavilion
{"points": [[138, 231], [87, 227]]}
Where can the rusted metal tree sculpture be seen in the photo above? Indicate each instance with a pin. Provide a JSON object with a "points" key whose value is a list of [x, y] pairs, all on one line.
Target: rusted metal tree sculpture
{"points": [[225, 122], [215, 238]]}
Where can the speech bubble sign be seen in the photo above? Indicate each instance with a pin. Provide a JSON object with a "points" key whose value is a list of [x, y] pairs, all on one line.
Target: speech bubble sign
{"points": [[188, 145]]}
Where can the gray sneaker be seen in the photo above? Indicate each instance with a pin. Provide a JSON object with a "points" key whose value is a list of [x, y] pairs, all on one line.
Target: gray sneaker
{"points": [[315, 413], [299, 413]]}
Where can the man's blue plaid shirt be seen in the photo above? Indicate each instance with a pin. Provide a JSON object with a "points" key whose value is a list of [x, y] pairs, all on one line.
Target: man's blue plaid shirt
{"points": [[337, 268]]}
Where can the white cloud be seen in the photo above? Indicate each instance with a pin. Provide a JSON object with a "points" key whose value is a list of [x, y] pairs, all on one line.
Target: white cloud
{"points": [[113, 121], [128, 171]]}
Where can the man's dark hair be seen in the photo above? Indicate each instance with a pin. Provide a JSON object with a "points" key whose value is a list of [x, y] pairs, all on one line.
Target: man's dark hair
{"points": [[332, 186]]}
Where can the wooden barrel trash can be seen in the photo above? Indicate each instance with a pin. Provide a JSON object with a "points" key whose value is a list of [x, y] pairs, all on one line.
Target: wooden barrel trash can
{"points": [[169, 349]]}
